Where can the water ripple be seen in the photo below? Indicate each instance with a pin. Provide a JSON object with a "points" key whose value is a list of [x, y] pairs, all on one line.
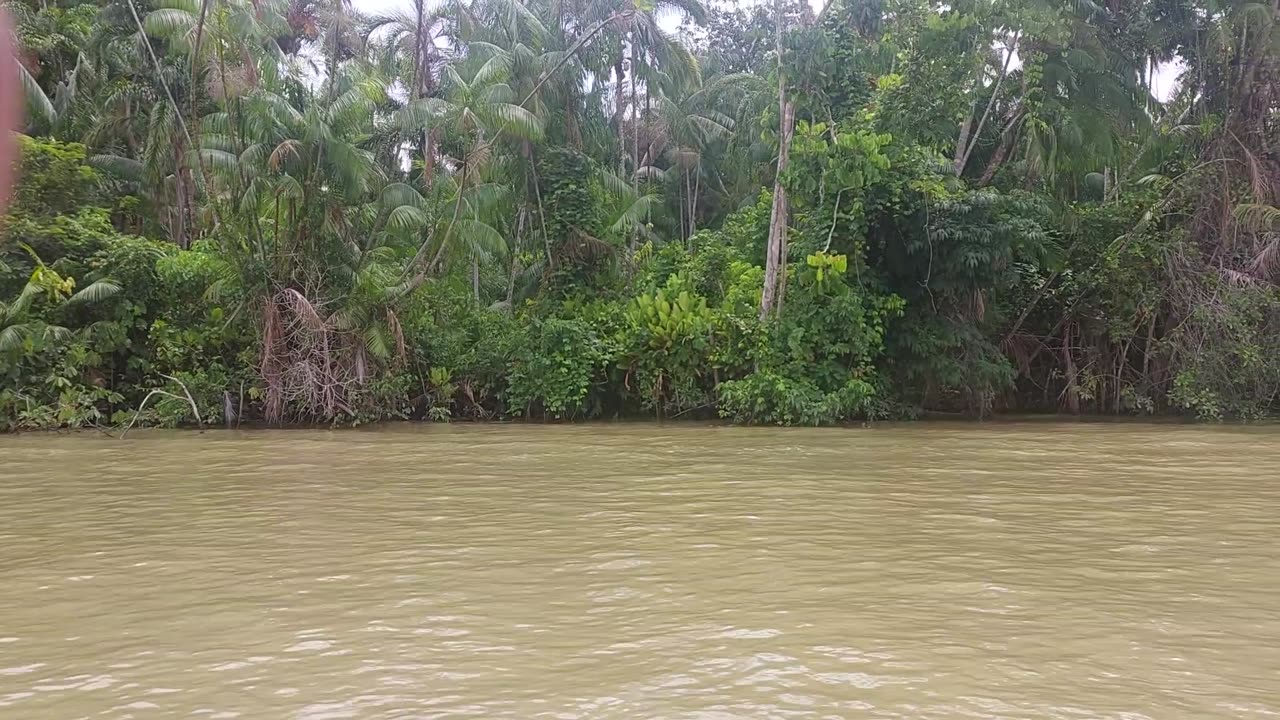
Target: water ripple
{"points": [[1028, 570]]}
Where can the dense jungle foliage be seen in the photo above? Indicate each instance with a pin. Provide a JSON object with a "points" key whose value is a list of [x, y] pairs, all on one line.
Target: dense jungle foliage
{"points": [[556, 209]]}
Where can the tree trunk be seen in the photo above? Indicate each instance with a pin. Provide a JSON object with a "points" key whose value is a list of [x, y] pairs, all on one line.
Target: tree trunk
{"points": [[1147, 349], [775, 258], [964, 148], [1069, 362], [1002, 151], [331, 67], [962, 142], [421, 81], [697, 190], [635, 122], [178, 230], [775, 252], [184, 197], [417, 48], [688, 203], [684, 206], [648, 131], [189, 180], [619, 107], [475, 277]]}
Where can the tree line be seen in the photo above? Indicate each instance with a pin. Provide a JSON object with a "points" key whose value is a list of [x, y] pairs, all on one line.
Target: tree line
{"points": [[295, 211]]}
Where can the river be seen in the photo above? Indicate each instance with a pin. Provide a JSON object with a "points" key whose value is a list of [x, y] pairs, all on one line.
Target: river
{"points": [[1006, 570]]}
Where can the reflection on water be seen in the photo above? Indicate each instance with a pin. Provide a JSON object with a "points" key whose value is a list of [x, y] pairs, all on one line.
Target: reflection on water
{"points": [[927, 571]]}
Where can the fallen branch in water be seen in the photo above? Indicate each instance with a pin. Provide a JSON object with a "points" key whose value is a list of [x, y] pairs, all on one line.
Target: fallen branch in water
{"points": [[195, 410]]}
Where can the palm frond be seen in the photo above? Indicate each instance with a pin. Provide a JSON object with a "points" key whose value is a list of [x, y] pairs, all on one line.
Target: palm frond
{"points": [[169, 22], [377, 342], [407, 217], [95, 292], [516, 121], [122, 167], [636, 215], [613, 182], [479, 238], [483, 197], [55, 333], [495, 69], [420, 114], [290, 148], [397, 194], [14, 337], [1256, 217], [39, 103]]}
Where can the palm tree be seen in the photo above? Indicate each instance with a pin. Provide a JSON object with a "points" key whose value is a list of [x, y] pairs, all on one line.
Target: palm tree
{"points": [[479, 113], [415, 50], [142, 125], [636, 44], [688, 131]]}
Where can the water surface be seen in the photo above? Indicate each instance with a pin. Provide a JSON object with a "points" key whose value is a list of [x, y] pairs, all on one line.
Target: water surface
{"points": [[634, 571]]}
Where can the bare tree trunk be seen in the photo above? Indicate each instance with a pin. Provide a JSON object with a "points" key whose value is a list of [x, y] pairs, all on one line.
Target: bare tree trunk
{"points": [[475, 277], [514, 266], [1069, 362], [183, 196], [331, 66], [775, 261], [635, 122], [619, 107], [1002, 151], [1121, 362], [179, 228], [693, 212], [775, 251], [964, 148], [781, 299], [963, 141], [688, 206], [1146, 353], [417, 48], [419, 86], [684, 207], [648, 131], [537, 193], [189, 180]]}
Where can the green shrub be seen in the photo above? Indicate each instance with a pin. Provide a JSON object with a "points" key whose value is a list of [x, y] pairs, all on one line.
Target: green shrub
{"points": [[555, 373]]}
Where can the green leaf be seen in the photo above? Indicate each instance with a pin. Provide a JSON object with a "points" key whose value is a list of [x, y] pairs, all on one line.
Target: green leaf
{"points": [[407, 217], [169, 22], [95, 292], [39, 103], [122, 167], [515, 120]]}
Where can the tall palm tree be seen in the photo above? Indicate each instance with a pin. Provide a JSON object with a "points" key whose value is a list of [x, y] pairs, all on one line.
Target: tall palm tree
{"points": [[636, 44], [480, 113], [417, 45]]}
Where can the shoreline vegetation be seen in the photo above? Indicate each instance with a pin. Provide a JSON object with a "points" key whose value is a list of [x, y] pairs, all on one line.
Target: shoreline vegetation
{"points": [[296, 213], [949, 421]]}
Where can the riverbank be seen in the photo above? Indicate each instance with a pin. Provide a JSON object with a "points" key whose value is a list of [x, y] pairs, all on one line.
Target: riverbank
{"points": [[926, 422]]}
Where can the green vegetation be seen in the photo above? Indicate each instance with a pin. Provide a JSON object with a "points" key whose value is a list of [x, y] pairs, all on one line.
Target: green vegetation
{"points": [[481, 209]]}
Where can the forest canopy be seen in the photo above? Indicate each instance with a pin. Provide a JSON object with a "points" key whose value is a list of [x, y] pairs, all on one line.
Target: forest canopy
{"points": [[256, 210]]}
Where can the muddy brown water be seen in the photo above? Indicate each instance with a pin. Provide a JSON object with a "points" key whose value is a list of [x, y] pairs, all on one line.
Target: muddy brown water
{"points": [[1023, 570]]}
